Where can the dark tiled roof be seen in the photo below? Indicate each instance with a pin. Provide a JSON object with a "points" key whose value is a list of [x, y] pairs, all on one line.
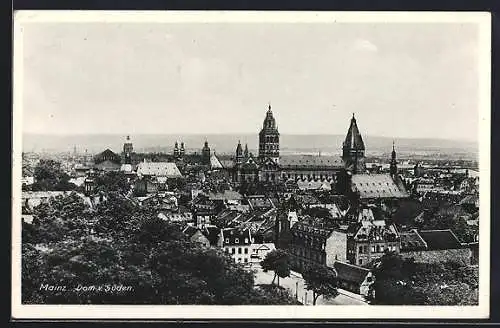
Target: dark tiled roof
{"points": [[233, 236], [440, 239], [313, 161], [376, 186], [412, 241], [349, 272]]}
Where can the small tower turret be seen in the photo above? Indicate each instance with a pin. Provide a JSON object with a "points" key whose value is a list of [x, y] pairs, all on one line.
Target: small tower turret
{"points": [[394, 164]]}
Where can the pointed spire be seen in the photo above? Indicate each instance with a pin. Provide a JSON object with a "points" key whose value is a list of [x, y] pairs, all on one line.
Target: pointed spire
{"points": [[393, 167], [393, 151], [245, 153], [353, 138]]}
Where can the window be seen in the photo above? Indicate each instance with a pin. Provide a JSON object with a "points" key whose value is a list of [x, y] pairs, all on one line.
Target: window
{"points": [[373, 249], [246, 240], [246, 250], [236, 241], [233, 250], [361, 249], [227, 240], [226, 250], [239, 250], [360, 261], [246, 260]]}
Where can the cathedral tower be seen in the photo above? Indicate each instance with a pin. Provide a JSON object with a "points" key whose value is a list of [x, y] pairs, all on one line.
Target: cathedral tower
{"points": [[353, 149], [269, 144], [127, 151]]}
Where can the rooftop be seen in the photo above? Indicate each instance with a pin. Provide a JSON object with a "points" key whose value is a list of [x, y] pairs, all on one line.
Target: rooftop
{"points": [[376, 186]]}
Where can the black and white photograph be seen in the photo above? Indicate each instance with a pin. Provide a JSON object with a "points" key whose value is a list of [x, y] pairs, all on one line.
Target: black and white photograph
{"points": [[251, 165]]}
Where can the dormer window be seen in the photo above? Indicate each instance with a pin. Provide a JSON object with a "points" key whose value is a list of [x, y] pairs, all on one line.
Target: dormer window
{"points": [[227, 240], [246, 240], [236, 240]]}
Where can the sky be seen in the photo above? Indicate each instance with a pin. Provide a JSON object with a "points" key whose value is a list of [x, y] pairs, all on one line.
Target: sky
{"points": [[408, 80]]}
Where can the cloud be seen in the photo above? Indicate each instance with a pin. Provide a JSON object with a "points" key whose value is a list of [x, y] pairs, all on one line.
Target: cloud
{"points": [[365, 45]]}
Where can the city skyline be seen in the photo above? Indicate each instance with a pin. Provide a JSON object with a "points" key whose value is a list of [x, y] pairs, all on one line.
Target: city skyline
{"points": [[147, 74]]}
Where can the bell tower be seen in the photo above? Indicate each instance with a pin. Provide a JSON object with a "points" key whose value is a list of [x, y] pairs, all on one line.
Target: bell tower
{"points": [[353, 149], [269, 138], [128, 148]]}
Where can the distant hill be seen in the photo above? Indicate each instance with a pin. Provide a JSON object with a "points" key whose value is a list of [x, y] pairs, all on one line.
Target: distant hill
{"points": [[226, 144]]}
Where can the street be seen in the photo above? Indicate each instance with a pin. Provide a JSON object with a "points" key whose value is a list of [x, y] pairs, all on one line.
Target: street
{"points": [[296, 287]]}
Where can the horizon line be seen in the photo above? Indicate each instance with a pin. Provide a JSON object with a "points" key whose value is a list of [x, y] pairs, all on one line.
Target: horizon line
{"points": [[236, 133]]}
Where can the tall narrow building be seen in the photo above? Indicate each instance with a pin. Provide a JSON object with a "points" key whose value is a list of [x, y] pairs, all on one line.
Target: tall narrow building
{"points": [[128, 148], [353, 149], [239, 153], [393, 169], [245, 152], [182, 150], [176, 150], [205, 154], [269, 144]]}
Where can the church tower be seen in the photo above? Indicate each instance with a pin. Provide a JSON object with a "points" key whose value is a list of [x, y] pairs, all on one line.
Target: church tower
{"points": [[205, 154], [353, 149], [239, 153], [176, 150], [245, 152], [182, 150], [128, 148], [269, 144], [393, 169]]}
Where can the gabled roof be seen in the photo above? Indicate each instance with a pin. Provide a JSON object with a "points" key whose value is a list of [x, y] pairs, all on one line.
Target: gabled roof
{"points": [[107, 155], [376, 186], [353, 139], [349, 272], [215, 162], [440, 239], [166, 169], [412, 241], [227, 163], [298, 161]]}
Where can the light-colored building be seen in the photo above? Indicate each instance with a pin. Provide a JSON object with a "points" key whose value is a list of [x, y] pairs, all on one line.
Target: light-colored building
{"points": [[238, 244]]}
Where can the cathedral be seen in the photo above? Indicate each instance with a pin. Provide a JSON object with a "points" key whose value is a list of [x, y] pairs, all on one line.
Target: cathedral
{"points": [[348, 169], [270, 166]]}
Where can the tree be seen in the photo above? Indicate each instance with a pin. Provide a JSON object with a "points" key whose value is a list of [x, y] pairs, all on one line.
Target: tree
{"points": [[50, 176], [112, 181], [119, 243], [277, 261], [322, 280]]}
